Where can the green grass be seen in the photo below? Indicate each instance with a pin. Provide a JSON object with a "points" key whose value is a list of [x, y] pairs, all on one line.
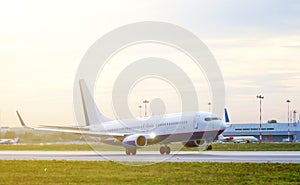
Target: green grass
{"points": [[216, 147], [71, 172], [257, 147], [254, 147], [58, 147]]}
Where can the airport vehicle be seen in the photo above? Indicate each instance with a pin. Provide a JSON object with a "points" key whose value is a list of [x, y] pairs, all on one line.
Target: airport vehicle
{"points": [[193, 129], [237, 139], [10, 141]]}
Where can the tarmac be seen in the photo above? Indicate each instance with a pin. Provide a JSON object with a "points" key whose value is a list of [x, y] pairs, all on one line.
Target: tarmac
{"points": [[154, 156]]}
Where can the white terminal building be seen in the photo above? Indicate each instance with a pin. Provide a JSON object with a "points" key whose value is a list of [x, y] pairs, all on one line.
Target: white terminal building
{"points": [[271, 132]]}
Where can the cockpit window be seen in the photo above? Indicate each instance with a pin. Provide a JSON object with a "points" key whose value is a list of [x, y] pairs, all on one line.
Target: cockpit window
{"points": [[212, 119]]}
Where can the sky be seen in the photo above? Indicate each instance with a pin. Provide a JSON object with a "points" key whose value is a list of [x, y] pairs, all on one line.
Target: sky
{"points": [[256, 44]]}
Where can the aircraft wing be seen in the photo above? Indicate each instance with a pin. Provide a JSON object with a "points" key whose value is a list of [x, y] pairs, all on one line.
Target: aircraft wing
{"points": [[79, 131], [74, 130]]}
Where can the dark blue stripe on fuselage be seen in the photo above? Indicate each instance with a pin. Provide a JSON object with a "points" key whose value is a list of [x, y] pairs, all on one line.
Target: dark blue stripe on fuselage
{"points": [[178, 137]]}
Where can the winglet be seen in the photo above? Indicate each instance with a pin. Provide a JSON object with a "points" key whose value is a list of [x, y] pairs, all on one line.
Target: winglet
{"points": [[21, 120]]}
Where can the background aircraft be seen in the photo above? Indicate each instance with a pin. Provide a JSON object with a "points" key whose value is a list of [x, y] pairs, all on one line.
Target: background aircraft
{"points": [[238, 139], [10, 141]]}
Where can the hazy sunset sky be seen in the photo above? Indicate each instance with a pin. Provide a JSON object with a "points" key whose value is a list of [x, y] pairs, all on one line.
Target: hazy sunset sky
{"points": [[256, 44]]}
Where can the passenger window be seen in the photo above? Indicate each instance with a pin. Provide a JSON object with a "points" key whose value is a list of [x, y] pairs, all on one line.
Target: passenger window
{"points": [[207, 119]]}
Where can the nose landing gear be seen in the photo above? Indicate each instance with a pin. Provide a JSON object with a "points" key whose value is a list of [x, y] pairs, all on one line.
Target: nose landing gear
{"points": [[209, 147]]}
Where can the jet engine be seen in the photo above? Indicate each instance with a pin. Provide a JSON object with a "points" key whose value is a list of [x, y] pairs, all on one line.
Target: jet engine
{"points": [[135, 140]]}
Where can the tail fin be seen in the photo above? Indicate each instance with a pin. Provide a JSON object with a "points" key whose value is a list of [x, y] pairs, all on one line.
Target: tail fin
{"points": [[21, 120], [227, 120], [17, 140], [91, 112]]}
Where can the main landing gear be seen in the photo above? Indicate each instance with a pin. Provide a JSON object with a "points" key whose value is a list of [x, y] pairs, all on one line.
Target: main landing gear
{"points": [[165, 150], [130, 151]]}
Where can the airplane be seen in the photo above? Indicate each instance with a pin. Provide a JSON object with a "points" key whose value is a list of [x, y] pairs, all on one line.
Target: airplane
{"points": [[235, 139], [193, 129], [10, 141], [238, 139]]}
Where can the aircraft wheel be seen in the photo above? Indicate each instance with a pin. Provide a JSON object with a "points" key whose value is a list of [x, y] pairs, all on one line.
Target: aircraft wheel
{"points": [[127, 151], [168, 150], [162, 150], [133, 151], [130, 151], [209, 147]]}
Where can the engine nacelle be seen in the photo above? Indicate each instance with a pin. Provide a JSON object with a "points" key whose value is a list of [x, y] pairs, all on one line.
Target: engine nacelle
{"points": [[194, 143], [135, 140]]}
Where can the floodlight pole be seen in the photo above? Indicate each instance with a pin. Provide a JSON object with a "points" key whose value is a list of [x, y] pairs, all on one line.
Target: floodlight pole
{"points": [[288, 102], [260, 97], [209, 106], [295, 125], [140, 108], [145, 102]]}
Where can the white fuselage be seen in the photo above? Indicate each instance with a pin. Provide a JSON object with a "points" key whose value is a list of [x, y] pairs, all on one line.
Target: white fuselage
{"points": [[10, 141], [168, 128]]}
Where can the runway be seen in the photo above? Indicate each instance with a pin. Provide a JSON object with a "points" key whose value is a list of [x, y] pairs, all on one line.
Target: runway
{"points": [[154, 156]]}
